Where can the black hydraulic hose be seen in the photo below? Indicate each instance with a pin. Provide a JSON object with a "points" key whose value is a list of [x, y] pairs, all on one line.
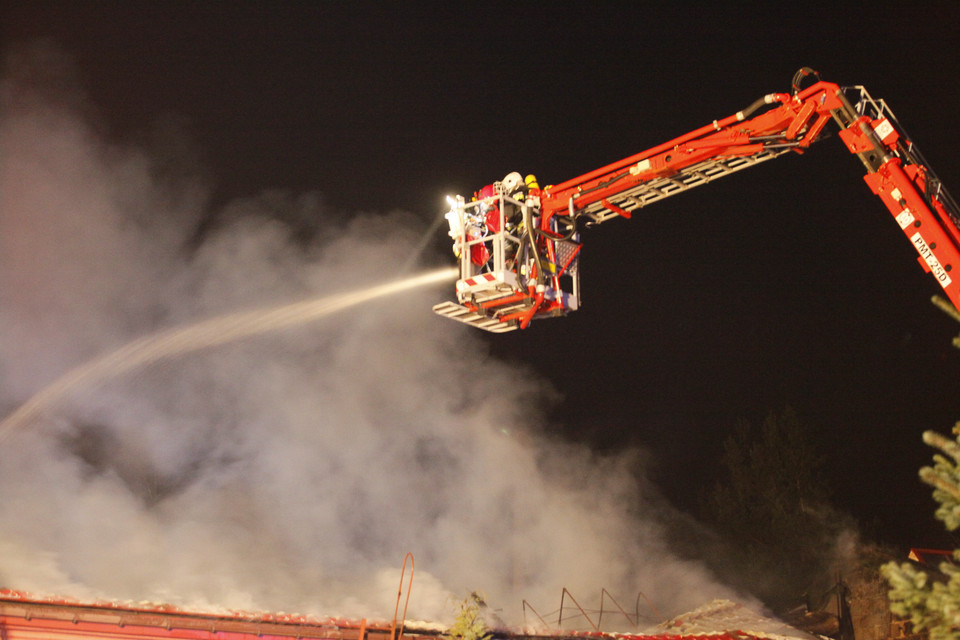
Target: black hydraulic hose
{"points": [[606, 183], [530, 237], [756, 104], [571, 222], [802, 73], [526, 247]]}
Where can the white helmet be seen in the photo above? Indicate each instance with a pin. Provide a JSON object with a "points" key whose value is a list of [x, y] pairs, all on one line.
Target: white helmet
{"points": [[512, 182]]}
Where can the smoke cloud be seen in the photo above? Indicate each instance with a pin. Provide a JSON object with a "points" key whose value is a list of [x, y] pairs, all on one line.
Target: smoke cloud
{"points": [[289, 471]]}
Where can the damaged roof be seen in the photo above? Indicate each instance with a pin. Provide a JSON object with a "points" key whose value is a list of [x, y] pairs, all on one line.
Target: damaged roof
{"points": [[24, 616]]}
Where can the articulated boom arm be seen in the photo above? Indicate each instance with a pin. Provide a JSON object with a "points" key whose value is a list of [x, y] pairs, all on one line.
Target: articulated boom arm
{"points": [[710, 152], [519, 246]]}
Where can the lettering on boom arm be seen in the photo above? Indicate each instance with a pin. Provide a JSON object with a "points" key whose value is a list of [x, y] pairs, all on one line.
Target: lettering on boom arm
{"points": [[935, 267]]}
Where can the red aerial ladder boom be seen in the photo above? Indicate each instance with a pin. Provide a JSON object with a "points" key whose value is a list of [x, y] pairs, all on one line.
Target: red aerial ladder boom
{"points": [[519, 246]]}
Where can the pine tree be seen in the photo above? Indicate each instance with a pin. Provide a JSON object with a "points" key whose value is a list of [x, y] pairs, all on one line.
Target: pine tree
{"points": [[933, 605], [773, 510]]}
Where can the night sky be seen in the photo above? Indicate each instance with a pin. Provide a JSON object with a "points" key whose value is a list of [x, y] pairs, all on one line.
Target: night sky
{"points": [[785, 285]]}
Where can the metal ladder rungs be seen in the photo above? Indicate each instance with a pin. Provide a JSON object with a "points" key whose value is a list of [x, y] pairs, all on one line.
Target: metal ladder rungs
{"points": [[663, 187], [461, 313]]}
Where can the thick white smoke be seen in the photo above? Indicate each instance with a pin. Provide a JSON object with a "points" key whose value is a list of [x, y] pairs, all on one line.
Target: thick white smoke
{"points": [[291, 471]]}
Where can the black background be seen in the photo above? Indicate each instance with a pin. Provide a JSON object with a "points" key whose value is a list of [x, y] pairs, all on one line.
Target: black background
{"points": [[787, 284]]}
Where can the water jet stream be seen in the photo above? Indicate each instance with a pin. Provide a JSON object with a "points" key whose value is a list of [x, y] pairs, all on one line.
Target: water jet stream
{"points": [[204, 334]]}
